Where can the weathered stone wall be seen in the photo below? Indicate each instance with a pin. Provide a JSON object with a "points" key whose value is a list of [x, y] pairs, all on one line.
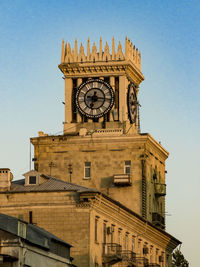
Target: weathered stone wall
{"points": [[107, 155], [56, 212]]}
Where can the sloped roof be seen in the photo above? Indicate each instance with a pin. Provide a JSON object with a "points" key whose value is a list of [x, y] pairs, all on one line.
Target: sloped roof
{"points": [[52, 184], [34, 234]]}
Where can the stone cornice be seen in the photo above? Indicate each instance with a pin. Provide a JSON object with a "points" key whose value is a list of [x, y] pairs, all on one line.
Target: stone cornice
{"points": [[146, 141], [102, 68]]}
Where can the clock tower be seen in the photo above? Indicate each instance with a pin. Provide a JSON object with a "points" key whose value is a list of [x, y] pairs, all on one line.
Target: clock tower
{"points": [[101, 87], [101, 146]]}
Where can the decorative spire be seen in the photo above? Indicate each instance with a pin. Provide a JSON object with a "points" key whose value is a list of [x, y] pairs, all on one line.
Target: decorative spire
{"points": [[136, 56], [100, 49], [88, 49], [70, 55], [134, 53], [81, 56], [113, 48], [75, 51], [119, 55], [131, 51], [106, 54], [94, 56], [63, 52], [126, 48]]}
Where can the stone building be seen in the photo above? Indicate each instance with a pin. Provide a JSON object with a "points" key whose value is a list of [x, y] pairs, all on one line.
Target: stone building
{"points": [[101, 184], [103, 232], [24, 244], [101, 143]]}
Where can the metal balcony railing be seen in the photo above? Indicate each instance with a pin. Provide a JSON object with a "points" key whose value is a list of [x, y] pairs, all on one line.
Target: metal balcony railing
{"points": [[160, 189], [129, 256], [112, 253], [158, 220], [122, 179], [142, 262]]}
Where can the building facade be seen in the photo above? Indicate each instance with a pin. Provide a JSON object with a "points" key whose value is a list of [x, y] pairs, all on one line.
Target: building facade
{"points": [[101, 184], [102, 231]]}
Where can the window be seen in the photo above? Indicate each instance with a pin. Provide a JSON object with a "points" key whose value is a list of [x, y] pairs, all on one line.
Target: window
{"points": [[133, 243], [32, 179], [30, 217], [87, 170], [119, 236], [112, 233], [127, 167], [96, 230], [126, 241]]}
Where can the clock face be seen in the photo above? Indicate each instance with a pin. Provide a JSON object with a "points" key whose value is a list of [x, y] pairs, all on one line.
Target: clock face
{"points": [[132, 103], [94, 98]]}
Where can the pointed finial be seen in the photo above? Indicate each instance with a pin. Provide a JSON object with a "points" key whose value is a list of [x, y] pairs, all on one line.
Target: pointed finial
{"points": [[136, 55], [75, 51], [88, 49], [131, 51], [126, 48], [113, 48], [63, 51], [100, 49]]}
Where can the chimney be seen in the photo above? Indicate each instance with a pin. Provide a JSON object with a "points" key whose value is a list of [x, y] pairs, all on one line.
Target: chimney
{"points": [[6, 177]]}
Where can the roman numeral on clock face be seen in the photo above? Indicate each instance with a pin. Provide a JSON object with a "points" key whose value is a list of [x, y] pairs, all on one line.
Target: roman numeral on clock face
{"points": [[88, 86], [95, 85]]}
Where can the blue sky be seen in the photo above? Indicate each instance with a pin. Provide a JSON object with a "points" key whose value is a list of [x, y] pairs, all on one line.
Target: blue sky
{"points": [[32, 88]]}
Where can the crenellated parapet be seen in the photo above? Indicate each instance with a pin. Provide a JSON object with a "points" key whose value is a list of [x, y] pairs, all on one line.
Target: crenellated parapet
{"points": [[93, 55]]}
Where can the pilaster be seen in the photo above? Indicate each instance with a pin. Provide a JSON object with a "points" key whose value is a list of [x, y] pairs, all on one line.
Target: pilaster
{"points": [[123, 86], [68, 99]]}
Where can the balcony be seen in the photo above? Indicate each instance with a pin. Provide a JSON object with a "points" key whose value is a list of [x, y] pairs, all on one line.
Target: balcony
{"points": [[142, 262], [160, 189], [112, 253], [128, 258], [122, 179], [158, 220]]}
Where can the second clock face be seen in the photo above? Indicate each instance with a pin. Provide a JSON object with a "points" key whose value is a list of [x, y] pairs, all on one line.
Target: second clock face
{"points": [[132, 103], [94, 98]]}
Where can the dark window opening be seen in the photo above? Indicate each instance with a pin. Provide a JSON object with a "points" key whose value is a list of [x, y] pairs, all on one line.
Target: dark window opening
{"points": [[96, 120], [107, 80], [32, 179], [96, 230], [117, 93], [30, 217]]}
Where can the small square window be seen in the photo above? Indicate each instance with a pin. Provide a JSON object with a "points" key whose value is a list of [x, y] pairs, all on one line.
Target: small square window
{"points": [[32, 179], [87, 170], [127, 167]]}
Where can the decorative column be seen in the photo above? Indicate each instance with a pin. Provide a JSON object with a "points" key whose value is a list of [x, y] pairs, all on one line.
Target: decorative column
{"points": [[68, 99], [123, 87], [112, 83], [79, 118], [102, 78]]}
